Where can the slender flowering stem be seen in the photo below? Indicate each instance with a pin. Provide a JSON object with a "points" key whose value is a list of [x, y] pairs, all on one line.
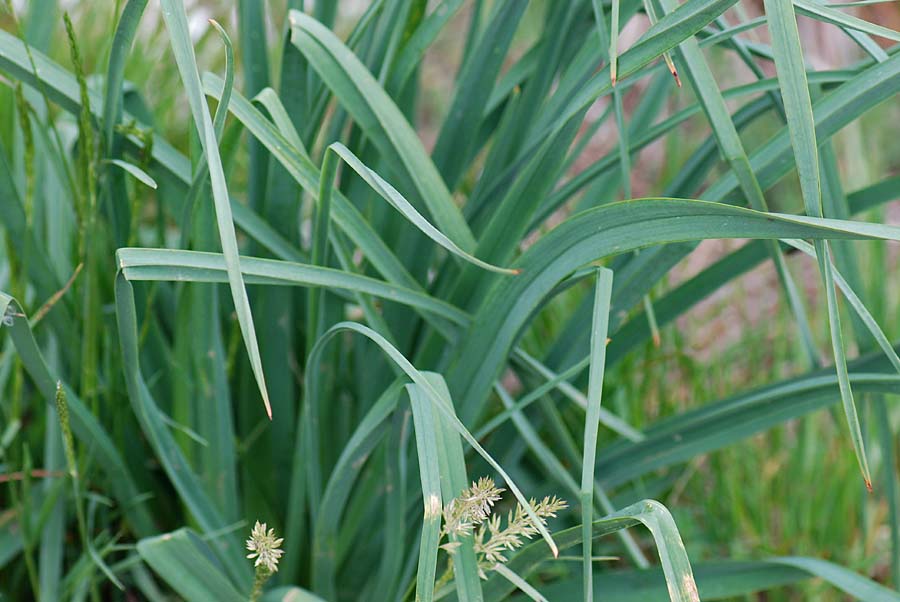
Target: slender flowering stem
{"points": [[266, 549]]}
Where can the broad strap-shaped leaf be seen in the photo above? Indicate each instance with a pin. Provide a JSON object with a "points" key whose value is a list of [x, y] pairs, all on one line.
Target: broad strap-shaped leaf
{"points": [[196, 266], [454, 479], [183, 560]]}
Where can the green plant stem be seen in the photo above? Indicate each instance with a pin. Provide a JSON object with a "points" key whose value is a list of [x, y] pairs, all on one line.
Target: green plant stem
{"points": [[259, 580]]}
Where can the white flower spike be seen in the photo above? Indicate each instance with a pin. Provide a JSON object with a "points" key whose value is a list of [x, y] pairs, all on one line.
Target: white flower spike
{"points": [[265, 547]]}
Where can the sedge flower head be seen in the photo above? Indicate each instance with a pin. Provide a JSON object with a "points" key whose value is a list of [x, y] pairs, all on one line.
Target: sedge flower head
{"points": [[265, 547]]}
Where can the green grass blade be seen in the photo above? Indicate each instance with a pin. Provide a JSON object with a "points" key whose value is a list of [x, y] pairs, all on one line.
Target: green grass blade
{"points": [[858, 306], [741, 117], [669, 31], [827, 14], [716, 580], [164, 445], [199, 181], [520, 583], [222, 109], [826, 266], [255, 60], [194, 266], [610, 230], [801, 125], [269, 99], [210, 398], [381, 120], [623, 145], [454, 146], [774, 159], [705, 87], [559, 382], [282, 205], [319, 244], [687, 294], [858, 95], [599, 331], [429, 475], [722, 423], [183, 50], [115, 74], [86, 427], [441, 402], [889, 463], [846, 257], [797, 104], [39, 269], [50, 560], [396, 200], [844, 579], [454, 480], [613, 51], [412, 52], [290, 594], [346, 470], [113, 187], [555, 467], [345, 215], [139, 174], [521, 187], [42, 16], [183, 561]]}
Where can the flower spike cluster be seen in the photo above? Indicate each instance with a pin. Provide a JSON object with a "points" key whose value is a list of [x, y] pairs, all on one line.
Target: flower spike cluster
{"points": [[265, 547]]}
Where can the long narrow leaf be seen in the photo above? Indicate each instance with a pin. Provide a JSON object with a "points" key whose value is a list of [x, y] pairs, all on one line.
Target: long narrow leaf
{"points": [[599, 330], [801, 125], [176, 20]]}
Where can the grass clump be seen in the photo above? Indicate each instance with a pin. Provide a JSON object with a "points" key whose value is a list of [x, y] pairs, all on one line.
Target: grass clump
{"points": [[202, 239]]}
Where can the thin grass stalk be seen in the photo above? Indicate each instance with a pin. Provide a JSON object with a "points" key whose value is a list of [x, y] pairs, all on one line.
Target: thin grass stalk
{"points": [[599, 329]]}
